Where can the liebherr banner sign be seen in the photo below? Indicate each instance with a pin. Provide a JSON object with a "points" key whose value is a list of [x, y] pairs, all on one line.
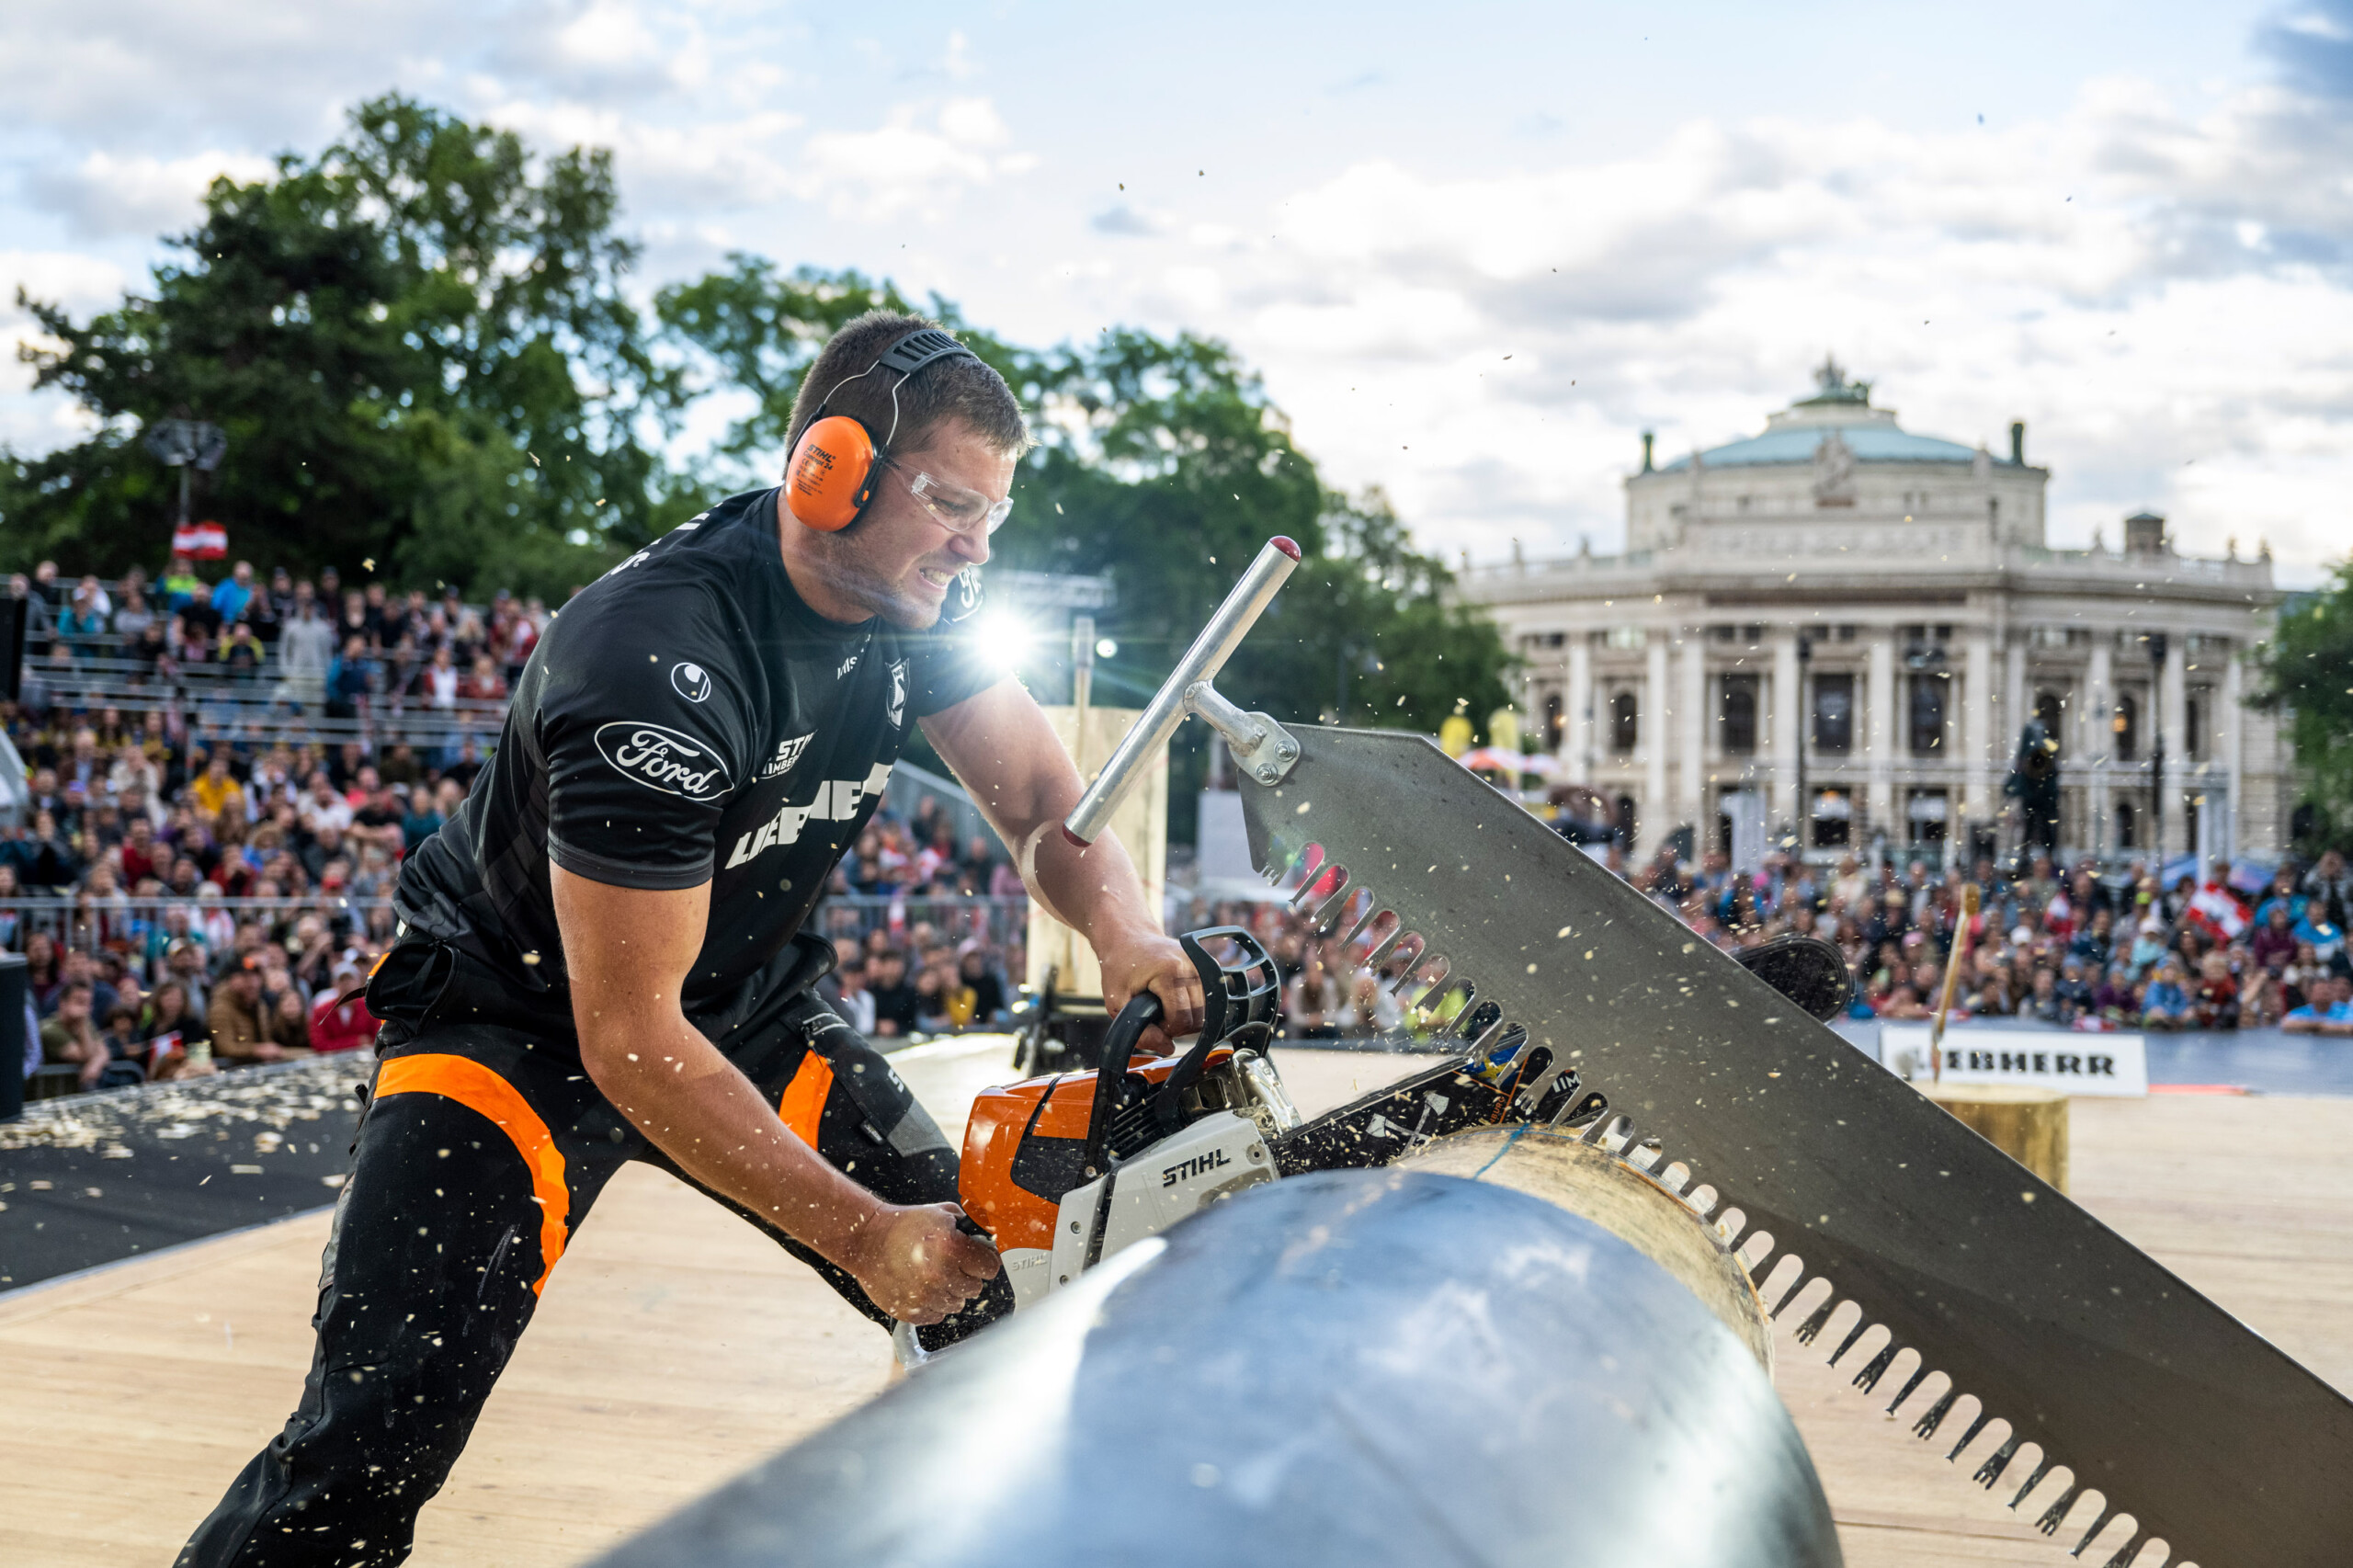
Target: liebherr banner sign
{"points": [[2111, 1065]]}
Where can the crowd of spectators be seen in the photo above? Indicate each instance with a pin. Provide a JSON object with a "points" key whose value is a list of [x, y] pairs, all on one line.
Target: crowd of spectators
{"points": [[190, 894], [310, 643], [2072, 949], [193, 891]]}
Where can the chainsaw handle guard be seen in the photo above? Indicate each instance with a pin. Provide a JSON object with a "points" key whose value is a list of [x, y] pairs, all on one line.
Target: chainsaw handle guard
{"points": [[1233, 996], [1092, 816], [1143, 1011]]}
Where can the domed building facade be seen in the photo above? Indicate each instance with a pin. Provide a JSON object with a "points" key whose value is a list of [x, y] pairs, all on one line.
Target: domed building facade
{"points": [[1838, 630]]}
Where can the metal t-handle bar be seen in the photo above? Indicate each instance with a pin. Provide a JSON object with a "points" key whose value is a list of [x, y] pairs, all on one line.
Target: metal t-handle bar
{"points": [[1202, 660]]}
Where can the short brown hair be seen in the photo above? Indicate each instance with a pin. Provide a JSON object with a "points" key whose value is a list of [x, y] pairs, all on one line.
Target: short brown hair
{"points": [[956, 389]]}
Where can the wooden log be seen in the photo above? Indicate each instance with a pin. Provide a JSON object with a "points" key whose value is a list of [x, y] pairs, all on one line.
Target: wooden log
{"points": [[2030, 1125], [1558, 1167]]}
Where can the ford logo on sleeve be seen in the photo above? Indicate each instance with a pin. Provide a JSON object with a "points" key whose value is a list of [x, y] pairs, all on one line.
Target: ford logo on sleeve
{"points": [[661, 758]]}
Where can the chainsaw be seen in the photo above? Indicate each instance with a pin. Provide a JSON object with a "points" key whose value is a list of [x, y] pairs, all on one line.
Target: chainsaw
{"points": [[1563, 996]]}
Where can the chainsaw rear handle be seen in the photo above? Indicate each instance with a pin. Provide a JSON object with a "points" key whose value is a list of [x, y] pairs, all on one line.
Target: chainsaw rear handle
{"points": [[1143, 1011], [1087, 819]]}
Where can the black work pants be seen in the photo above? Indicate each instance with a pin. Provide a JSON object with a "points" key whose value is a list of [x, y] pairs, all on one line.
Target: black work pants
{"points": [[481, 1153]]}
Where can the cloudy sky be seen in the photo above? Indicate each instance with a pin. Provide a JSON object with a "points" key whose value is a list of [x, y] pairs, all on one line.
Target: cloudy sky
{"points": [[1475, 249]]}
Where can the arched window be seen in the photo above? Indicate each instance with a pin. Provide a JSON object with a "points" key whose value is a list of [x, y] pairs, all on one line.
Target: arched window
{"points": [[2193, 719], [1625, 725], [2050, 711], [2126, 724], [1927, 714], [2125, 826], [1737, 717]]}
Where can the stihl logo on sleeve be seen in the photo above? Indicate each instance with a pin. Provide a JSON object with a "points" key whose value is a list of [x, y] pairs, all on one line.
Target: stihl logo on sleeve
{"points": [[837, 799]]}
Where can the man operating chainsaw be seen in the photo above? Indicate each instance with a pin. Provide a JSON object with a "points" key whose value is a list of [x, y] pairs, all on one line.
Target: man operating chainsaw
{"points": [[600, 958]]}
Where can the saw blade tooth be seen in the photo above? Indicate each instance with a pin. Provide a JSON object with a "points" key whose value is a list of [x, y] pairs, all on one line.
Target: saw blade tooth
{"points": [[1780, 1287], [1327, 914], [2056, 1515], [1997, 1461], [1984, 1418], [1919, 1375], [1440, 983], [1925, 1428], [2130, 1550], [1396, 947], [1863, 1325], [1372, 916], [1876, 1368], [1811, 1330], [2108, 1513], [1703, 1199], [1576, 1112], [1729, 1222], [1379, 953], [2043, 1467]]}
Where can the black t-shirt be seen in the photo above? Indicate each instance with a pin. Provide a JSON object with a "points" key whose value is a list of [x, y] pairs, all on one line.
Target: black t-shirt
{"points": [[686, 719]]}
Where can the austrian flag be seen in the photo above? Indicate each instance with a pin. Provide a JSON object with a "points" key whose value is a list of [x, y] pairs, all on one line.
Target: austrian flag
{"points": [[2219, 913]]}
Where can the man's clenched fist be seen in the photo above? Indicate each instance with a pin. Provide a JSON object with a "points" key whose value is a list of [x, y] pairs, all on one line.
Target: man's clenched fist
{"points": [[915, 1265]]}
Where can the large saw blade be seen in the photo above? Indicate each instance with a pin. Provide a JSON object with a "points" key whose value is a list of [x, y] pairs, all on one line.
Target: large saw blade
{"points": [[2099, 1360]]}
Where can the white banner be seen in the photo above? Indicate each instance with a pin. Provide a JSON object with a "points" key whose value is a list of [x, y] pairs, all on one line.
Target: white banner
{"points": [[2110, 1065]]}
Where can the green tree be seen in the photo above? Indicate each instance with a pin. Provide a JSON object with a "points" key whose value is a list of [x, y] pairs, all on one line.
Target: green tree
{"points": [[2308, 673], [419, 347]]}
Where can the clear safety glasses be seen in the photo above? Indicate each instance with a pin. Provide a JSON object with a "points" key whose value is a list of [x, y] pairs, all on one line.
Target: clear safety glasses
{"points": [[955, 508]]}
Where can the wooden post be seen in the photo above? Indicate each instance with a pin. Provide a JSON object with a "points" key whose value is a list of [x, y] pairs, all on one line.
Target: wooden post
{"points": [[1141, 824], [2029, 1125]]}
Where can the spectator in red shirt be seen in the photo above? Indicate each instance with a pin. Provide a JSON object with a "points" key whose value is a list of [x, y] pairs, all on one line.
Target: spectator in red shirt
{"points": [[484, 683], [340, 1019]]}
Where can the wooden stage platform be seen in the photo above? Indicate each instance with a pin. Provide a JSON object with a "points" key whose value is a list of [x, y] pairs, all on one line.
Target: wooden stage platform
{"points": [[674, 1348]]}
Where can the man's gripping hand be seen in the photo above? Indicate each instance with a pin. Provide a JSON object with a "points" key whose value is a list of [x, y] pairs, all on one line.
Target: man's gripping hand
{"points": [[1155, 964], [915, 1265]]}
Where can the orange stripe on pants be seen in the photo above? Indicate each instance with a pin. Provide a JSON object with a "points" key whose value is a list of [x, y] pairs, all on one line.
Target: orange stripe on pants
{"points": [[805, 1097], [479, 1089]]}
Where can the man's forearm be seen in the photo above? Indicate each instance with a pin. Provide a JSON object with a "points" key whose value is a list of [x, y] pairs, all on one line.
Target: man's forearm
{"points": [[678, 1089], [1094, 890]]}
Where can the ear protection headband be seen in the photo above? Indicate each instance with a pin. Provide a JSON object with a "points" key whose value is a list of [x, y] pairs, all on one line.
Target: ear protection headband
{"points": [[831, 477]]}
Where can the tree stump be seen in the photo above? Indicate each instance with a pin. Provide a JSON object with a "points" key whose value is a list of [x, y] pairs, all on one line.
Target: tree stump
{"points": [[2029, 1125]]}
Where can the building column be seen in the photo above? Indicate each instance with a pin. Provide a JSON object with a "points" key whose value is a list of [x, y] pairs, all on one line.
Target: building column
{"points": [[1691, 734], [1880, 714], [2173, 716], [2017, 706], [2234, 755], [1577, 703], [2097, 726], [1650, 736], [1977, 737], [1789, 712]]}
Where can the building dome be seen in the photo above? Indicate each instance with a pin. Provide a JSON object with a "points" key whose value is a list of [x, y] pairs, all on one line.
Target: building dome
{"points": [[1838, 408]]}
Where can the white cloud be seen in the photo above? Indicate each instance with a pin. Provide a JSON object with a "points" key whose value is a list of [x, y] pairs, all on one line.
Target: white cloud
{"points": [[105, 195], [921, 156], [2164, 299]]}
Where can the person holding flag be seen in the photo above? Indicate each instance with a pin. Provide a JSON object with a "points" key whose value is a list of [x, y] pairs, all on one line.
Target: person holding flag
{"points": [[2216, 909]]}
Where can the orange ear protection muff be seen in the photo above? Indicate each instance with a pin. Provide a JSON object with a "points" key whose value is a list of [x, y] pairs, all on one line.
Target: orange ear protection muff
{"points": [[831, 477]]}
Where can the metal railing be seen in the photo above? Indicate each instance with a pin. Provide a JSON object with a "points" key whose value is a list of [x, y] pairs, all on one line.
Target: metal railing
{"points": [[265, 703], [846, 917], [86, 922]]}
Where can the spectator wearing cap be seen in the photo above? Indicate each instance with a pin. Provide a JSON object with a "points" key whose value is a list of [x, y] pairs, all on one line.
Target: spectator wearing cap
{"points": [[340, 1019], [244, 1031]]}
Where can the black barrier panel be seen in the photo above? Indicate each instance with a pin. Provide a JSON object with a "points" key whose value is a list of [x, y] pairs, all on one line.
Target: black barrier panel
{"points": [[15, 976], [1368, 1367]]}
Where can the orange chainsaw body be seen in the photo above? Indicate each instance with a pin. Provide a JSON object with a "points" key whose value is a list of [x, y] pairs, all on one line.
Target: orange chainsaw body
{"points": [[1026, 1146]]}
